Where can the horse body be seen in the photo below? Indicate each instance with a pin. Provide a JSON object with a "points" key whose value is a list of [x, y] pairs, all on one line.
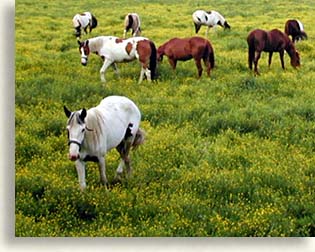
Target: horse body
{"points": [[82, 22], [114, 123], [132, 21], [295, 29], [185, 49], [209, 19], [272, 41], [113, 49]]}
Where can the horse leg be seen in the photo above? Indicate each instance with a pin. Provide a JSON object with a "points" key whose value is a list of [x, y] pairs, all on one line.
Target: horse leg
{"points": [[281, 53], [80, 166], [172, 63], [141, 75], [270, 58], [124, 148], [106, 64], [207, 64], [257, 56], [114, 65], [199, 67], [207, 31], [102, 170]]}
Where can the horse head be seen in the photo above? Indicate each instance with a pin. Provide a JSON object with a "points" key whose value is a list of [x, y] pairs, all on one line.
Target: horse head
{"points": [[76, 131], [159, 54], [294, 55], [84, 50], [295, 60]]}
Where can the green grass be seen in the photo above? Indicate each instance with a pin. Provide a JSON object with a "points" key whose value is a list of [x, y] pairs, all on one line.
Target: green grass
{"points": [[229, 155]]}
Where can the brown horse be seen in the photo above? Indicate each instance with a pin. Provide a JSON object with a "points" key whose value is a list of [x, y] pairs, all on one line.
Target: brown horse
{"points": [[270, 41], [295, 28], [185, 49]]}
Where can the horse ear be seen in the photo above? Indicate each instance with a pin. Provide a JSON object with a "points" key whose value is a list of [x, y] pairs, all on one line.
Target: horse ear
{"points": [[67, 111], [83, 114]]}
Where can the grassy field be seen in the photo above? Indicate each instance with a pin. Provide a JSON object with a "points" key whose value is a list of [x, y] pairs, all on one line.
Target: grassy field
{"points": [[229, 155]]}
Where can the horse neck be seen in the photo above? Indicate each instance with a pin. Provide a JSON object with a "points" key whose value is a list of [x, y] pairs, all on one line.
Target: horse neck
{"points": [[95, 133], [95, 44], [290, 48]]}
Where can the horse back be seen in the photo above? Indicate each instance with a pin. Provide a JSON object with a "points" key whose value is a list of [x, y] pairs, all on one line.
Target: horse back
{"points": [[109, 122]]}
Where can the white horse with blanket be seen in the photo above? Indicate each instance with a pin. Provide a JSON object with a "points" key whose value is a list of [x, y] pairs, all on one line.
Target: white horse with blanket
{"points": [[113, 49], [210, 19], [114, 123]]}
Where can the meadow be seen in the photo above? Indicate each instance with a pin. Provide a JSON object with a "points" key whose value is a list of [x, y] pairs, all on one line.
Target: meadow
{"points": [[229, 155]]}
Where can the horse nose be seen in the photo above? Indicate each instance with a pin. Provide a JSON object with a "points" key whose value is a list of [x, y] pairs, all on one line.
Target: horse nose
{"points": [[84, 63], [73, 157]]}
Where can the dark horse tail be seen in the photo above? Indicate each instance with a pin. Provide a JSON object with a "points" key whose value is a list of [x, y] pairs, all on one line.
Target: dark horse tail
{"points": [[94, 22], [251, 50], [210, 54], [153, 59]]}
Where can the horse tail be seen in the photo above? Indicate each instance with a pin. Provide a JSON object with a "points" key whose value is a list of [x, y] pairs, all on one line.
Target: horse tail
{"points": [[303, 35], [251, 50], [94, 21], [211, 55], [129, 22], [139, 138], [153, 59]]}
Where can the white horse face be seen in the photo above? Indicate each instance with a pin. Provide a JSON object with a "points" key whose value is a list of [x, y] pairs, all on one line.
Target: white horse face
{"points": [[76, 132], [84, 51]]}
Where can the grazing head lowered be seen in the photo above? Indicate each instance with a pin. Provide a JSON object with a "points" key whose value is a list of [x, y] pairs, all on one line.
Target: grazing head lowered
{"points": [[178, 49], [270, 41], [209, 19], [114, 123], [84, 21], [295, 29]]}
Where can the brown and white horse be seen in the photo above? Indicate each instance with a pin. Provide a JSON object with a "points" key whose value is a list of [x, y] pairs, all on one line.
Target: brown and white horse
{"points": [[132, 21], [185, 49], [115, 50], [270, 41], [295, 29]]}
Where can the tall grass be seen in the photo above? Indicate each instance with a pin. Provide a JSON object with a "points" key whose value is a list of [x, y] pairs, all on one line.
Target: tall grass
{"points": [[229, 155]]}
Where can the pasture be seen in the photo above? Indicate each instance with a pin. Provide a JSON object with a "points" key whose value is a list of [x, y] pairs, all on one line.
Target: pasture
{"points": [[227, 155]]}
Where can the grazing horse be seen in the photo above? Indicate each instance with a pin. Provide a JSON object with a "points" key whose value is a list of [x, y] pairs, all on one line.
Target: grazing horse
{"points": [[184, 49], [114, 123], [82, 22], [270, 41], [113, 49], [295, 29], [210, 19], [132, 21]]}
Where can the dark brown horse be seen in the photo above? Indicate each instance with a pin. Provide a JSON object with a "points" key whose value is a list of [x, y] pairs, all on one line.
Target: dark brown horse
{"points": [[295, 29], [270, 41], [186, 49]]}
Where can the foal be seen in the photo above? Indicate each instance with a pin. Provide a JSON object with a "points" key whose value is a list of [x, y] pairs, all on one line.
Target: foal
{"points": [[270, 41]]}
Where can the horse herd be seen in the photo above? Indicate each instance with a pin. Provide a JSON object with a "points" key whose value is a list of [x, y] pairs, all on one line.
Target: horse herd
{"points": [[115, 122]]}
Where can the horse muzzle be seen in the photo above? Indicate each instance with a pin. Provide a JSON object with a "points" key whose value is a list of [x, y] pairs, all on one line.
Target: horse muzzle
{"points": [[74, 157], [84, 61]]}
